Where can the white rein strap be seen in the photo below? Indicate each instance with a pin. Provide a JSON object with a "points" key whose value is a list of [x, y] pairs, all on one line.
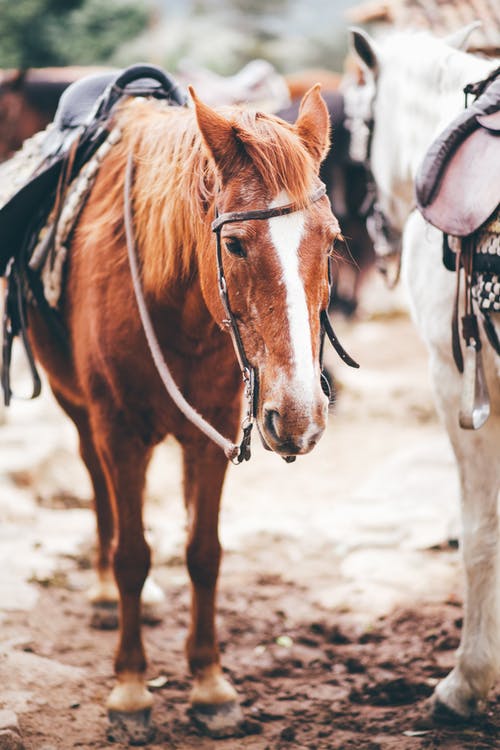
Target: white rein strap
{"points": [[231, 450]]}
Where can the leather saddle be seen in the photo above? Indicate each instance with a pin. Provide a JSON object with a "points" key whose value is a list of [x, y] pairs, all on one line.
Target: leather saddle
{"points": [[83, 112], [457, 186]]}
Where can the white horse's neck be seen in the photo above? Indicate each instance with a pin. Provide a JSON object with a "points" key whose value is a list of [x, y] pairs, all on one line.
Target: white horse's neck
{"points": [[419, 91]]}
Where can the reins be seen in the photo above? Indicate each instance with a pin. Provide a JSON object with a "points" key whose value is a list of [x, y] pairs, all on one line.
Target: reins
{"points": [[232, 451], [235, 453]]}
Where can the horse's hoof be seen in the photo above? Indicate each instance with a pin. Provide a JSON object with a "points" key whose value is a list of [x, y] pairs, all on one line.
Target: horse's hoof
{"points": [[104, 616], [132, 728], [443, 715], [434, 713], [218, 720]]}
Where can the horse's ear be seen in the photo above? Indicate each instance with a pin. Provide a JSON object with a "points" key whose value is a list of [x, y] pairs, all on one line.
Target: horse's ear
{"points": [[313, 124], [460, 39], [364, 47], [218, 135]]}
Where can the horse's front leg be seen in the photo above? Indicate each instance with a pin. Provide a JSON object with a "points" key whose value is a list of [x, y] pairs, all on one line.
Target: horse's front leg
{"points": [[478, 657], [124, 460], [431, 289], [213, 699]]}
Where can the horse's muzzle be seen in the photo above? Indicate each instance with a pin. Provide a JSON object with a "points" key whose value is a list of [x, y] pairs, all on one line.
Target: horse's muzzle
{"points": [[292, 432]]}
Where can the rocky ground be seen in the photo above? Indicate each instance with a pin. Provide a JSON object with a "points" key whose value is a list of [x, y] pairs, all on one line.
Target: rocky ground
{"points": [[340, 594]]}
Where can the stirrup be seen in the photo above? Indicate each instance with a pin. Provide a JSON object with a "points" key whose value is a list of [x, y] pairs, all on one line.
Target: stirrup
{"points": [[475, 400]]}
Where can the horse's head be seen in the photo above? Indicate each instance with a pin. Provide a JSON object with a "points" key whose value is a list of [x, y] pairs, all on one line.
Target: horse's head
{"points": [[275, 267], [376, 119]]}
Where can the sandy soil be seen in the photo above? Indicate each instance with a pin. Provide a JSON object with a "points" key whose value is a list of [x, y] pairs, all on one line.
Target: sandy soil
{"points": [[340, 596]]}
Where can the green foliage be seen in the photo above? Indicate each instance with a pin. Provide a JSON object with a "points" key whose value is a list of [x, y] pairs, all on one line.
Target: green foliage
{"points": [[62, 32]]}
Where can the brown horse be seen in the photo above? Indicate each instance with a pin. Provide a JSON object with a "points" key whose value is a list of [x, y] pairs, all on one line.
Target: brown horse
{"points": [[187, 163]]}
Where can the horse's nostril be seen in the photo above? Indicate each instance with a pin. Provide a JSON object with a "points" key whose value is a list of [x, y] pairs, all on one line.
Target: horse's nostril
{"points": [[271, 418]]}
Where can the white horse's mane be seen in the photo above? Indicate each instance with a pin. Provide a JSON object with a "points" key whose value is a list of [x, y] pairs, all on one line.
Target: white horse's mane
{"points": [[432, 73]]}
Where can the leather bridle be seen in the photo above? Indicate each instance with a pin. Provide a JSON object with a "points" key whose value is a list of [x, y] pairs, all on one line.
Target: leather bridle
{"points": [[248, 372], [235, 453], [386, 239]]}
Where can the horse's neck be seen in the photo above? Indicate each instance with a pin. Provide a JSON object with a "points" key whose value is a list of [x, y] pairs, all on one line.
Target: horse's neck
{"points": [[418, 100]]}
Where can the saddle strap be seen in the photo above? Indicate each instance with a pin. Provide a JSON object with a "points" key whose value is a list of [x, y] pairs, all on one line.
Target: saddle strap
{"points": [[474, 401], [455, 335], [478, 87], [14, 324], [464, 261]]}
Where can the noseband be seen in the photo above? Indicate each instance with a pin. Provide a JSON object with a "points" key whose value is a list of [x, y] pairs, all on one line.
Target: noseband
{"points": [[234, 453]]}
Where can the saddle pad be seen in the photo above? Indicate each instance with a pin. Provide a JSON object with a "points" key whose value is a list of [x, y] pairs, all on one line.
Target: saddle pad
{"points": [[470, 189]]}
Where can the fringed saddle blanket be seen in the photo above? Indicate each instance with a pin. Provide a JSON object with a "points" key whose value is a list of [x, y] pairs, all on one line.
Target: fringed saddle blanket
{"points": [[50, 265], [17, 171]]}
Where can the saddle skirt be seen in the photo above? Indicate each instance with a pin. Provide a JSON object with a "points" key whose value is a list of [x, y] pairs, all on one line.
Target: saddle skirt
{"points": [[457, 186]]}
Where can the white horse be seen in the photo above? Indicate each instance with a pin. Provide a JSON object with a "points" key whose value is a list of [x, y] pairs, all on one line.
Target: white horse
{"points": [[415, 84]]}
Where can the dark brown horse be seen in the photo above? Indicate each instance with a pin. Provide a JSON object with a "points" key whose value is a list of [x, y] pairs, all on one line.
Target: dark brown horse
{"points": [[28, 100], [188, 162], [346, 184]]}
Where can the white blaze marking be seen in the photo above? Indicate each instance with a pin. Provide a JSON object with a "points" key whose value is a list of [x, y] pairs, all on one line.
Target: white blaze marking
{"points": [[286, 235]]}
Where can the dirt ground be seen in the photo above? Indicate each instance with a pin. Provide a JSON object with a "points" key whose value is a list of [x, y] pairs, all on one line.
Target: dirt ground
{"points": [[340, 590]]}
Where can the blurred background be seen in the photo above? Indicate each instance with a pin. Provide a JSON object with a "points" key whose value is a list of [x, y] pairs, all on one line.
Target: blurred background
{"points": [[220, 34]]}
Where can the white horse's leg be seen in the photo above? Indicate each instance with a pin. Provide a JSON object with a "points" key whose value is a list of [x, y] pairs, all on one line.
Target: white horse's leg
{"points": [[477, 455], [479, 653]]}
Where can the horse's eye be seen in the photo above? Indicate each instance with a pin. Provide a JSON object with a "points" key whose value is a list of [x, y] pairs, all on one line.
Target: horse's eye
{"points": [[234, 246]]}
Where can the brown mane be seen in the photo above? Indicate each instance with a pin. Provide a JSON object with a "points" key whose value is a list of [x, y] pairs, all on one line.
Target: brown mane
{"points": [[175, 181]]}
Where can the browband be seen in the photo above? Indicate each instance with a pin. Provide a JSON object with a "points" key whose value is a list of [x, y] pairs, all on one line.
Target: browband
{"points": [[265, 213]]}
